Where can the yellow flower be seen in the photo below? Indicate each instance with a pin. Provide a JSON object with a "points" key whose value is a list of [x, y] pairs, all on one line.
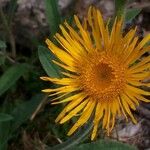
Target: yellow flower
{"points": [[102, 72]]}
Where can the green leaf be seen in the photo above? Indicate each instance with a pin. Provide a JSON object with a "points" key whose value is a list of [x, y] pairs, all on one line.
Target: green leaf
{"points": [[2, 59], [131, 14], [52, 14], [20, 114], [120, 7], [11, 76], [78, 137], [24, 111], [5, 117], [46, 57], [104, 145], [2, 45], [2, 52]]}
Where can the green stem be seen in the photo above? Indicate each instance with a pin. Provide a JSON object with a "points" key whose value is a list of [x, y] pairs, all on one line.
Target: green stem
{"points": [[120, 6], [43, 101], [9, 58]]}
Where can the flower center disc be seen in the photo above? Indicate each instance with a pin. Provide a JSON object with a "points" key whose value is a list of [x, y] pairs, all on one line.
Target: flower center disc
{"points": [[101, 77]]}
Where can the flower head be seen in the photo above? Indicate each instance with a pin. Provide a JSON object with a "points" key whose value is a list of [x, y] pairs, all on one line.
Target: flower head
{"points": [[102, 72]]}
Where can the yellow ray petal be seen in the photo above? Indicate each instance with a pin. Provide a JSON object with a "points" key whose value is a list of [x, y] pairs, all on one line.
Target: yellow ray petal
{"points": [[61, 54], [131, 95], [115, 108], [69, 44], [94, 132], [129, 36], [74, 111], [70, 98], [70, 106], [72, 69], [122, 108], [113, 122], [84, 117], [125, 43], [75, 103], [52, 90], [102, 29], [143, 42], [99, 112], [141, 98], [73, 33], [137, 76], [60, 90], [137, 90], [126, 107], [129, 101], [84, 34], [136, 54], [138, 83], [97, 30], [92, 20], [108, 121], [62, 81], [144, 61], [79, 42], [106, 115], [58, 96], [117, 38], [139, 69], [112, 36], [129, 50], [69, 75], [98, 115]]}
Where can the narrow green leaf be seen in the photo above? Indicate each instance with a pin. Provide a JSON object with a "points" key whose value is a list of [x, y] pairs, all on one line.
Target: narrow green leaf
{"points": [[131, 14], [20, 114], [46, 57], [11, 76], [5, 117], [104, 145], [52, 14], [25, 110], [2, 45], [120, 7], [2, 52]]}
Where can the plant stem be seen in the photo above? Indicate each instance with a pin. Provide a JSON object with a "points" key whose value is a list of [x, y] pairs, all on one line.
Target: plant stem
{"points": [[39, 107], [9, 58]]}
